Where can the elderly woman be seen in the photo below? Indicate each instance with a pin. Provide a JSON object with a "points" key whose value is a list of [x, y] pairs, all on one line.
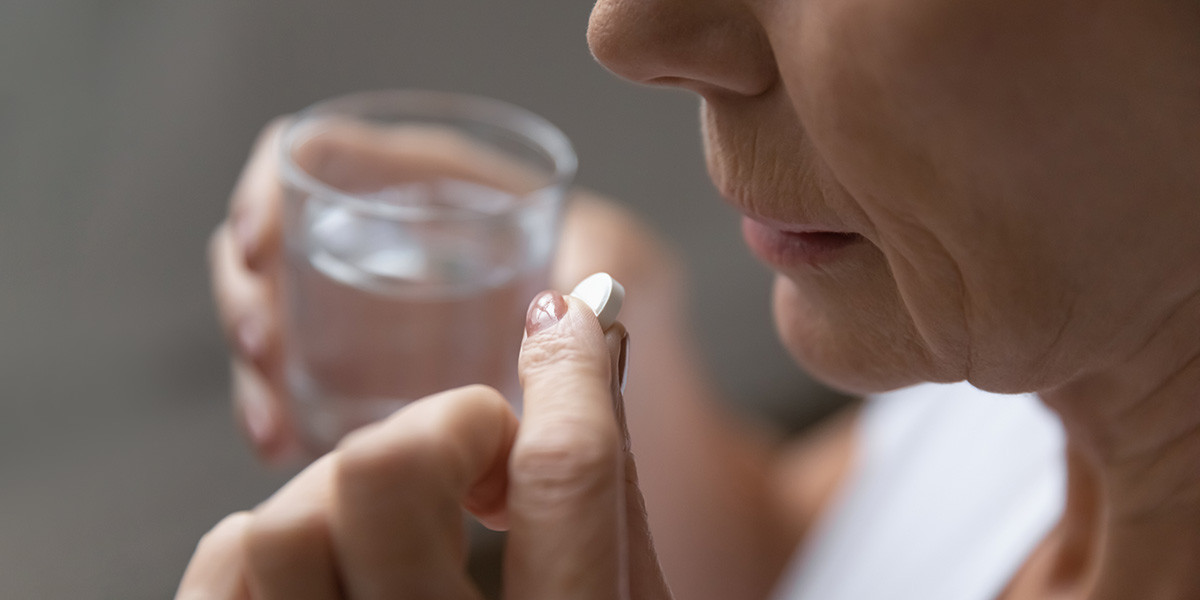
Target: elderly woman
{"points": [[1001, 192]]}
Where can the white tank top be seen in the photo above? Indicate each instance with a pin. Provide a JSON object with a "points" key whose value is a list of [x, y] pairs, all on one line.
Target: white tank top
{"points": [[952, 488]]}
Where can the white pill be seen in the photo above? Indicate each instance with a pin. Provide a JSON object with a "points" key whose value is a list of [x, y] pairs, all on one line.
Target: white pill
{"points": [[603, 294]]}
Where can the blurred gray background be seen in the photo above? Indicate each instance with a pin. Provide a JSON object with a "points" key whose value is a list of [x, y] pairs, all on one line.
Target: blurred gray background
{"points": [[123, 124]]}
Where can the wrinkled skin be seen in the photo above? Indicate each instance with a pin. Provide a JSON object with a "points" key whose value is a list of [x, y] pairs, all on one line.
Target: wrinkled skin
{"points": [[1023, 178], [1024, 171], [1024, 175]]}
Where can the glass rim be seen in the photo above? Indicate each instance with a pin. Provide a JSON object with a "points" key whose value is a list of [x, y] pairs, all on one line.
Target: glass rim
{"points": [[529, 128]]}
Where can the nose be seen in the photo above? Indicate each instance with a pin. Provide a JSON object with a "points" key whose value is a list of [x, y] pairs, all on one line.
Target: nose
{"points": [[711, 47]]}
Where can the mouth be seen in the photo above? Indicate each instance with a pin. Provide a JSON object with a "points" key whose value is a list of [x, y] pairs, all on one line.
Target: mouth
{"points": [[789, 216], [796, 246]]}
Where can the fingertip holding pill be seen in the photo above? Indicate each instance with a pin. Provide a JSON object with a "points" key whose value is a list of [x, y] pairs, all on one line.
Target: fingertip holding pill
{"points": [[603, 295]]}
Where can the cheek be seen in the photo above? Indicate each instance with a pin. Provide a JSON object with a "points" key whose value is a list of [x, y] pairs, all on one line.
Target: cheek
{"points": [[884, 89], [933, 113], [916, 108], [839, 73], [990, 148]]}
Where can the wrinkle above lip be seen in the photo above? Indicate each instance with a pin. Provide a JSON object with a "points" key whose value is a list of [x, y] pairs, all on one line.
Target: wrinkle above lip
{"points": [[771, 174], [797, 228]]}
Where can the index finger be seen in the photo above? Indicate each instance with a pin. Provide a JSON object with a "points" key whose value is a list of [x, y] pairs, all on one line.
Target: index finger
{"points": [[566, 486]]}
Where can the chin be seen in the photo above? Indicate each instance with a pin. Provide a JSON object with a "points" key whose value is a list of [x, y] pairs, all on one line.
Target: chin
{"points": [[860, 344]]}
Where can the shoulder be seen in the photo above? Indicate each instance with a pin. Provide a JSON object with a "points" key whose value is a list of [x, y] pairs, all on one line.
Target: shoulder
{"points": [[809, 469], [936, 461]]}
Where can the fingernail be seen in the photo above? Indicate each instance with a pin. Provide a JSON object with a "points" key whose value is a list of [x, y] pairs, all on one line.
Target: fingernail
{"points": [[545, 310], [619, 399], [623, 361], [252, 336]]}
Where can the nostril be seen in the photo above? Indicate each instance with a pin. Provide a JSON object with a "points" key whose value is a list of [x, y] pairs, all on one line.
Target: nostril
{"points": [[703, 88], [669, 81]]}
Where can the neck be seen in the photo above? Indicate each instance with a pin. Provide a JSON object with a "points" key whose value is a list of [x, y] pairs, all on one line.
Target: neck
{"points": [[1133, 492]]}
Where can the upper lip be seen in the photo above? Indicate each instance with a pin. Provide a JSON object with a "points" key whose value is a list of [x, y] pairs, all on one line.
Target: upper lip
{"points": [[795, 224], [801, 218], [793, 227], [808, 194]]}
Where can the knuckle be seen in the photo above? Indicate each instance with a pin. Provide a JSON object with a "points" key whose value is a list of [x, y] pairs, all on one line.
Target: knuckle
{"points": [[479, 394], [570, 461], [539, 350], [545, 353], [472, 401], [380, 455], [423, 442], [359, 455], [273, 533], [225, 535]]}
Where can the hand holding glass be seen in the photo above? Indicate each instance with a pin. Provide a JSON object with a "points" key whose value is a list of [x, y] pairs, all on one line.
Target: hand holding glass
{"points": [[417, 227]]}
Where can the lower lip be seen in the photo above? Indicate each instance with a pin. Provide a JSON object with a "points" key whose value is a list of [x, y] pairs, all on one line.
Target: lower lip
{"points": [[793, 248]]}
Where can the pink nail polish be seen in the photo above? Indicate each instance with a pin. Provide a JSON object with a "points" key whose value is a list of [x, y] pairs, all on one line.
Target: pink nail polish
{"points": [[545, 310]]}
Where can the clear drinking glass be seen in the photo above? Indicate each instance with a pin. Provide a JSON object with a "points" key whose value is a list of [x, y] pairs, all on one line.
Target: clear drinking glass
{"points": [[417, 228]]}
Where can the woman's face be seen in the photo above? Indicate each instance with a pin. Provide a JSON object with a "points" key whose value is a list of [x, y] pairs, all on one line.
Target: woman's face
{"points": [[1021, 175]]}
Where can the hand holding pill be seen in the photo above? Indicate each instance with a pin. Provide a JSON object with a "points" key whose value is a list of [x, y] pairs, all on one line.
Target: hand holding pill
{"points": [[600, 293], [561, 480]]}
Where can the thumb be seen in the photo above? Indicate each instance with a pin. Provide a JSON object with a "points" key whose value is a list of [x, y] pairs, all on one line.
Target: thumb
{"points": [[568, 496]]}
